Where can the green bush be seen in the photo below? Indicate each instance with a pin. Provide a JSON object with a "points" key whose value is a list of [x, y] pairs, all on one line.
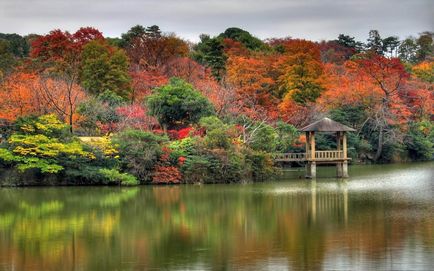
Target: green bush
{"points": [[139, 152], [265, 139], [260, 164], [114, 176], [420, 141]]}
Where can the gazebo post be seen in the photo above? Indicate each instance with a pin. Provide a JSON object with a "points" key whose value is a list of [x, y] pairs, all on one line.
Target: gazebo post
{"points": [[339, 164], [336, 157], [311, 164], [345, 162], [307, 167]]}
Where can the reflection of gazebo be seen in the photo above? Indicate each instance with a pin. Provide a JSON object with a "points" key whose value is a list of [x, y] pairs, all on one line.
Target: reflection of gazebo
{"points": [[312, 156]]}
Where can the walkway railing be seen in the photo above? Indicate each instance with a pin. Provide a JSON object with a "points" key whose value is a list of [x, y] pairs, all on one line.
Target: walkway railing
{"points": [[290, 157], [319, 156]]}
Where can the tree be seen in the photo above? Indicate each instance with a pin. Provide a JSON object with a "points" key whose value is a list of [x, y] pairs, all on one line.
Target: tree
{"points": [[424, 71], [302, 70], [349, 42], [251, 78], [186, 69], [426, 46], [178, 103], [407, 50], [374, 42], [218, 134], [26, 94], [334, 52], [139, 152], [104, 68], [18, 45], [62, 98], [7, 59], [210, 52], [58, 59], [18, 97], [98, 115], [244, 37], [388, 75], [346, 40], [390, 45], [419, 140], [149, 49], [265, 139]]}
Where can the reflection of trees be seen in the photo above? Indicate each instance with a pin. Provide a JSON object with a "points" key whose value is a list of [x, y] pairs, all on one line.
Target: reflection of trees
{"points": [[184, 226], [49, 230]]}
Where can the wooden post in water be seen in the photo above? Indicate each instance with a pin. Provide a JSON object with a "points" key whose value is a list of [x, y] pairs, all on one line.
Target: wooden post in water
{"points": [[339, 164], [312, 157], [310, 154], [345, 162], [307, 166]]}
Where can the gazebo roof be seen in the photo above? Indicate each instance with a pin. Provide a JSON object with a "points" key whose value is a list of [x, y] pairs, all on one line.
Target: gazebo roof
{"points": [[327, 125]]}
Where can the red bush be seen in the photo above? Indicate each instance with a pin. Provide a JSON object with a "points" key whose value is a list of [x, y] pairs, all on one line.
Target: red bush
{"points": [[166, 175]]}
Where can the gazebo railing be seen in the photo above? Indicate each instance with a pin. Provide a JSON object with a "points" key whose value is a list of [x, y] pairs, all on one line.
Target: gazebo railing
{"points": [[319, 156], [301, 156], [327, 155]]}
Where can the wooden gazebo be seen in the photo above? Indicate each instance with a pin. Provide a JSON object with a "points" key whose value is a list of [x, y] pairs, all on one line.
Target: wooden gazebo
{"points": [[312, 157]]}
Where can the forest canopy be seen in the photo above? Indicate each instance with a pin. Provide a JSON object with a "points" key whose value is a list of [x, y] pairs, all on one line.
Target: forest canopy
{"points": [[151, 107]]}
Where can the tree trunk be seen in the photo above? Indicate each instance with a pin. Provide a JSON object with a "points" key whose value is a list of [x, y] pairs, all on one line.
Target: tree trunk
{"points": [[70, 123]]}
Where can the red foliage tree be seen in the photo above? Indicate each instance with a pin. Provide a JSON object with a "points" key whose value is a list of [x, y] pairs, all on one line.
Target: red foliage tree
{"points": [[164, 172]]}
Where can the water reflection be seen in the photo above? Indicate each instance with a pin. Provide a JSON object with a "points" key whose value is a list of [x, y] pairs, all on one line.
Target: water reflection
{"points": [[291, 224]]}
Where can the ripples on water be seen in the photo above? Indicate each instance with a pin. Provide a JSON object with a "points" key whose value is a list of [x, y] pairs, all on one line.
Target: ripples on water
{"points": [[379, 219]]}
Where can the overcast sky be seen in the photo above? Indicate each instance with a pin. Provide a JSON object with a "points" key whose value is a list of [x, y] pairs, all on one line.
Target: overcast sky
{"points": [[309, 19]]}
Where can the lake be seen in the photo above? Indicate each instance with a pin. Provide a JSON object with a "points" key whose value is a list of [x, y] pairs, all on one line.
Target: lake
{"points": [[381, 218]]}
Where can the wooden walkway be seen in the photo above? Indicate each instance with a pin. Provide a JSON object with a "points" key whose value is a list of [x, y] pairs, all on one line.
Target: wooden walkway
{"points": [[320, 156]]}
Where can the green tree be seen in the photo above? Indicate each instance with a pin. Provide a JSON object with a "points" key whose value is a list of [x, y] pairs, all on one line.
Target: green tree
{"points": [[217, 133], [7, 59], [407, 50], [287, 135], [139, 152], [244, 37], [210, 52], [135, 32], [374, 42], [420, 140], [104, 68], [426, 46], [390, 45], [178, 103], [18, 44], [349, 42], [265, 139]]}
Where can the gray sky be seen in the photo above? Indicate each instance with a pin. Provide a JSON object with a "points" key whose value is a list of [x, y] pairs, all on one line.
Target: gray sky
{"points": [[309, 19]]}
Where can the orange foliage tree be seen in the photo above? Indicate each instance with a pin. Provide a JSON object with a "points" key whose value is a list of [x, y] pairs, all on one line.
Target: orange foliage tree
{"points": [[377, 83], [18, 98], [57, 56], [30, 94]]}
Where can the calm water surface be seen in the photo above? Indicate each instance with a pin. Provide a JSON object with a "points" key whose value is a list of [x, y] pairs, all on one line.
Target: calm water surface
{"points": [[382, 218]]}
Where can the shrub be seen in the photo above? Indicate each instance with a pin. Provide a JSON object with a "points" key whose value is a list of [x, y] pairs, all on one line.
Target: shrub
{"points": [[265, 139], [139, 152], [261, 165], [166, 174], [114, 176], [419, 141], [196, 169]]}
